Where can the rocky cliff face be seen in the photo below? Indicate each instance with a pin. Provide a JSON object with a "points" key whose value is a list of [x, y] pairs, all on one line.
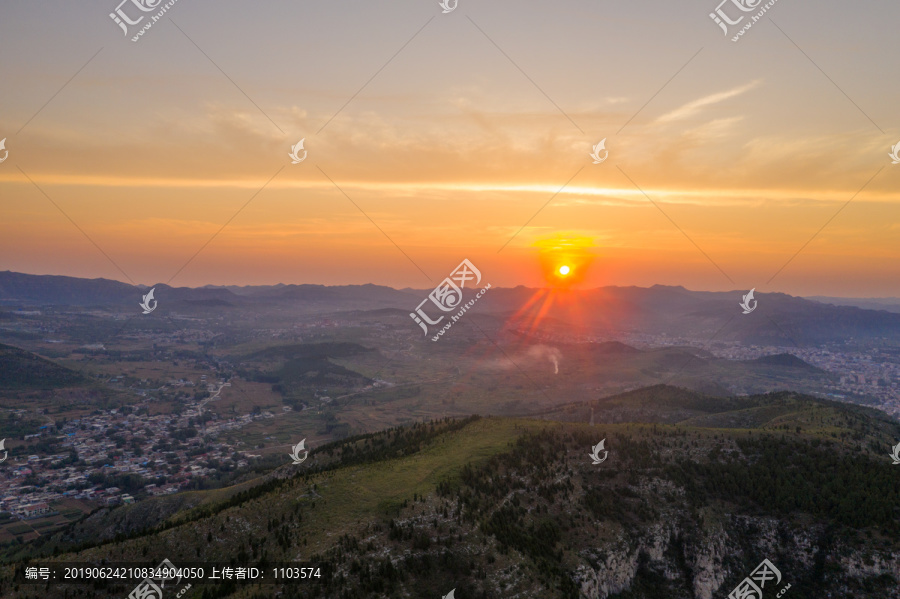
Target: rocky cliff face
{"points": [[718, 558], [683, 516]]}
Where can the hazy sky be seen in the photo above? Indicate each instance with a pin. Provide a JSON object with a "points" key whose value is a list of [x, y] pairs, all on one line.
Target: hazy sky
{"points": [[744, 150]]}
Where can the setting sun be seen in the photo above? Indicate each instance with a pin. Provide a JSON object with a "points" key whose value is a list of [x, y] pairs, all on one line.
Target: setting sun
{"points": [[565, 259]]}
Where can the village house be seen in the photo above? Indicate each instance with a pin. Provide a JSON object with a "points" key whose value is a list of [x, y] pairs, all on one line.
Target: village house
{"points": [[30, 511]]}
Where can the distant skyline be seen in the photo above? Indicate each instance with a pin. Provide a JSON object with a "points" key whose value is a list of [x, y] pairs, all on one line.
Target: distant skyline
{"points": [[728, 162]]}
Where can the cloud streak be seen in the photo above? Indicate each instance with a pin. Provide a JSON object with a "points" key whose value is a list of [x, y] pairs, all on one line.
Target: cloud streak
{"points": [[691, 109]]}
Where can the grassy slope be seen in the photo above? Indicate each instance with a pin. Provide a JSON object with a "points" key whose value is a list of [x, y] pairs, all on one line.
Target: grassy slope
{"points": [[346, 494]]}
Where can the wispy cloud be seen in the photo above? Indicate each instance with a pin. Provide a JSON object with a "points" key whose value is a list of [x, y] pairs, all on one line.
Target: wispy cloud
{"points": [[437, 190], [691, 108]]}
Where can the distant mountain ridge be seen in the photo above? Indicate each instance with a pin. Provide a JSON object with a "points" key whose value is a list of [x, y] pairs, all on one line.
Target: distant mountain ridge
{"points": [[73, 291], [889, 304], [779, 319]]}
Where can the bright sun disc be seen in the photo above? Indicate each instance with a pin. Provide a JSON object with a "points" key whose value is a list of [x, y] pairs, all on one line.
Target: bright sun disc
{"points": [[563, 270]]}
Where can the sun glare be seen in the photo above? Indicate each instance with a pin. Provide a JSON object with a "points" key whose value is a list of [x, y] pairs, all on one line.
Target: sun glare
{"points": [[565, 259]]}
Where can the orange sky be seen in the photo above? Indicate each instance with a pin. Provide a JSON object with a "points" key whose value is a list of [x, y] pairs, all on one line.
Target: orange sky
{"points": [[724, 159]]}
